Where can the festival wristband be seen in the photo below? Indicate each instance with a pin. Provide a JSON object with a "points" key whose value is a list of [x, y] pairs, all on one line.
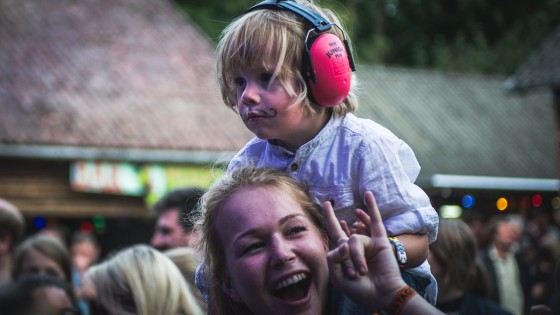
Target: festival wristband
{"points": [[399, 251], [400, 300]]}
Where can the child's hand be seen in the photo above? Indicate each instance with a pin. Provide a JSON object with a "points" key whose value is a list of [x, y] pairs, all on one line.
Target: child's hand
{"points": [[362, 225]]}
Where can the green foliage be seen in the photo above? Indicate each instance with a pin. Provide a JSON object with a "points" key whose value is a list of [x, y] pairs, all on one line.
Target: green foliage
{"points": [[211, 15], [480, 36]]}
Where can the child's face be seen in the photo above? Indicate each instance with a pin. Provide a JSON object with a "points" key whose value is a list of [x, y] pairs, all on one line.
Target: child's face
{"points": [[269, 111]]}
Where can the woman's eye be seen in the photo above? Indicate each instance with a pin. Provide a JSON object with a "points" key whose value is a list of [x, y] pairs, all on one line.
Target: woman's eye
{"points": [[253, 247], [297, 229], [52, 273]]}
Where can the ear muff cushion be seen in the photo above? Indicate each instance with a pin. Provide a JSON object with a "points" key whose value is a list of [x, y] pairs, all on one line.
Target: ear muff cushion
{"points": [[329, 61]]}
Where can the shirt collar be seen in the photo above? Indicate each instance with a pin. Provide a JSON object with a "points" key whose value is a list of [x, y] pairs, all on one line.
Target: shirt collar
{"points": [[334, 122], [493, 254]]}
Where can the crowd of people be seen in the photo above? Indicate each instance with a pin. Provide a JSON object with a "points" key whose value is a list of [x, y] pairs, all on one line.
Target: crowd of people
{"points": [[292, 258], [318, 214]]}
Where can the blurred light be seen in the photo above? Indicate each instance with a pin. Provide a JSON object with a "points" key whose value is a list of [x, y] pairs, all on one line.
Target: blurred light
{"points": [[99, 222], [502, 204], [450, 211], [537, 201], [86, 226], [526, 202], [52, 222], [555, 202], [445, 193], [40, 223], [468, 201]]}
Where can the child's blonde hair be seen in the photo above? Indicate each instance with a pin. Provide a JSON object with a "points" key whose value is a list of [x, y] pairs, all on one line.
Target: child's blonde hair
{"points": [[258, 38]]}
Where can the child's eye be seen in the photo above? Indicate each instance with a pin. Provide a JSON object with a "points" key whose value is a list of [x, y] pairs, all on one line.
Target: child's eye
{"points": [[265, 78], [239, 82]]}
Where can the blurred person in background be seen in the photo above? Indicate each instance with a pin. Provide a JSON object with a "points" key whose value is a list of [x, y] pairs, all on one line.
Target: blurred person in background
{"points": [[542, 230], [38, 295], [173, 225], [552, 307], [42, 254], [507, 270], [141, 280], [187, 259], [541, 270], [12, 227], [540, 249], [462, 281], [85, 252]]}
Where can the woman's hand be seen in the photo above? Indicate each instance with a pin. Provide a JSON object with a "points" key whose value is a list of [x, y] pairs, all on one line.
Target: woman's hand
{"points": [[364, 268]]}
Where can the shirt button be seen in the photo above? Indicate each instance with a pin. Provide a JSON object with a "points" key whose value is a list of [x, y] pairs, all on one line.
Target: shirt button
{"points": [[294, 167]]}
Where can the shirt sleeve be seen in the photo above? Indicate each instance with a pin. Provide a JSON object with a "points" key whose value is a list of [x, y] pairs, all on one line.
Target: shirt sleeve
{"points": [[247, 156], [388, 168]]}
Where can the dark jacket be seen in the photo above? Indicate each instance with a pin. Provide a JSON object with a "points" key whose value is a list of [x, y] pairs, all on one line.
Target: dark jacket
{"points": [[524, 277], [471, 304]]}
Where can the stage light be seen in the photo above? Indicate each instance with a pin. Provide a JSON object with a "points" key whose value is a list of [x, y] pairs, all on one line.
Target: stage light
{"points": [[468, 201], [502, 204]]}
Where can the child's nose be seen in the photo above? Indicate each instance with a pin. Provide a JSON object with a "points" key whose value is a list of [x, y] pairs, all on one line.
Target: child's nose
{"points": [[250, 95]]}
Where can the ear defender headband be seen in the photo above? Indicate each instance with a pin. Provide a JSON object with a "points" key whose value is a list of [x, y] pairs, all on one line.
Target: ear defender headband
{"points": [[327, 61]]}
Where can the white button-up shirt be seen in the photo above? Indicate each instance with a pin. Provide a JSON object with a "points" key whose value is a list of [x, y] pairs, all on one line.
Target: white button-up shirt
{"points": [[348, 157]]}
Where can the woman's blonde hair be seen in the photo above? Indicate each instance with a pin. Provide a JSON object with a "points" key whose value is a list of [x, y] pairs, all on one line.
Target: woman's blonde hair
{"points": [[260, 37], [221, 191], [187, 259], [141, 280]]}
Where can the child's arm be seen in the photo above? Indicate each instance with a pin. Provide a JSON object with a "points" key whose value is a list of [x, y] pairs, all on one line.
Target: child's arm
{"points": [[416, 247]]}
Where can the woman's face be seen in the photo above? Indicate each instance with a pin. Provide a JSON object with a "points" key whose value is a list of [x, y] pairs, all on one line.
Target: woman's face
{"points": [[53, 301], [35, 262], [275, 256]]}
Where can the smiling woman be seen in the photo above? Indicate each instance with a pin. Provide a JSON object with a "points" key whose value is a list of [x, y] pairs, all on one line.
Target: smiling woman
{"points": [[267, 252], [267, 259]]}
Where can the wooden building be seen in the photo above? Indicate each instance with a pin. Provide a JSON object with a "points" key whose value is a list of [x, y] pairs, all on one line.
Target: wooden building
{"points": [[106, 82], [471, 136]]}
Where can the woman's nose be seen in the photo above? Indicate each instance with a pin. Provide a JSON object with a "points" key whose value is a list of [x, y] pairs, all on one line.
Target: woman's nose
{"points": [[281, 253]]}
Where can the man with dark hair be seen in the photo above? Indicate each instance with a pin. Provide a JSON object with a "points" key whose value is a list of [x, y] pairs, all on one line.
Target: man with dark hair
{"points": [[12, 227], [174, 227]]}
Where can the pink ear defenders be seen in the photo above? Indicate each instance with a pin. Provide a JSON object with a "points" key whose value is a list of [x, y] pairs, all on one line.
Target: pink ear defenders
{"points": [[327, 61]]}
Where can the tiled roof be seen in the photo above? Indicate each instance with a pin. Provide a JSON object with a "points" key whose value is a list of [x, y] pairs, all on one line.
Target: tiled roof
{"points": [[463, 124], [543, 66], [110, 74], [138, 75]]}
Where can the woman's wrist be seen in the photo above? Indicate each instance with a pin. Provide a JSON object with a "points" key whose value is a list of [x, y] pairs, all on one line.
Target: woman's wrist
{"points": [[399, 299]]}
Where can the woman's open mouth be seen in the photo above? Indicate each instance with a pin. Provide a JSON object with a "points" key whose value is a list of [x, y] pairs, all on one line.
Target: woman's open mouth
{"points": [[293, 289]]}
